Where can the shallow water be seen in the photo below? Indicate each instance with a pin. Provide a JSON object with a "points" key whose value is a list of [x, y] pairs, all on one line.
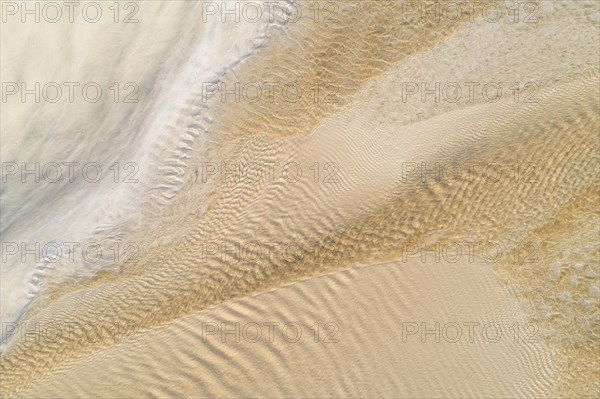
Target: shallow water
{"points": [[255, 154]]}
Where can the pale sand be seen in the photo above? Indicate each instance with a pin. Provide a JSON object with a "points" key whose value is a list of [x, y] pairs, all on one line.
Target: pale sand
{"points": [[362, 220], [370, 359]]}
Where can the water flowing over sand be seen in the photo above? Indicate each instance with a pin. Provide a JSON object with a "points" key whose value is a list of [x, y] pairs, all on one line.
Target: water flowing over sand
{"points": [[302, 199]]}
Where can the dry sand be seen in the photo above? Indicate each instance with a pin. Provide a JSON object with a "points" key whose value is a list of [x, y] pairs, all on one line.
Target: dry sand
{"points": [[348, 261]]}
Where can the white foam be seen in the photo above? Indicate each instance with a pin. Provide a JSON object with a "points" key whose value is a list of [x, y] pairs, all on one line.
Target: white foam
{"points": [[169, 64]]}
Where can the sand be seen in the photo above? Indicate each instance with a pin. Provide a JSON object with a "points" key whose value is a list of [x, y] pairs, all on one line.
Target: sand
{"points": [[345, 219], [372, 346]]}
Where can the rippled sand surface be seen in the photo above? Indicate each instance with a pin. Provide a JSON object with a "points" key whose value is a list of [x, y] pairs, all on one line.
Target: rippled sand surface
{"points": [[371, 237]]}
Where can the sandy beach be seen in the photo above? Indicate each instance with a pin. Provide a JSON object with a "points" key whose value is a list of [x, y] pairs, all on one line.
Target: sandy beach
{"points": [[317, 199]]}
